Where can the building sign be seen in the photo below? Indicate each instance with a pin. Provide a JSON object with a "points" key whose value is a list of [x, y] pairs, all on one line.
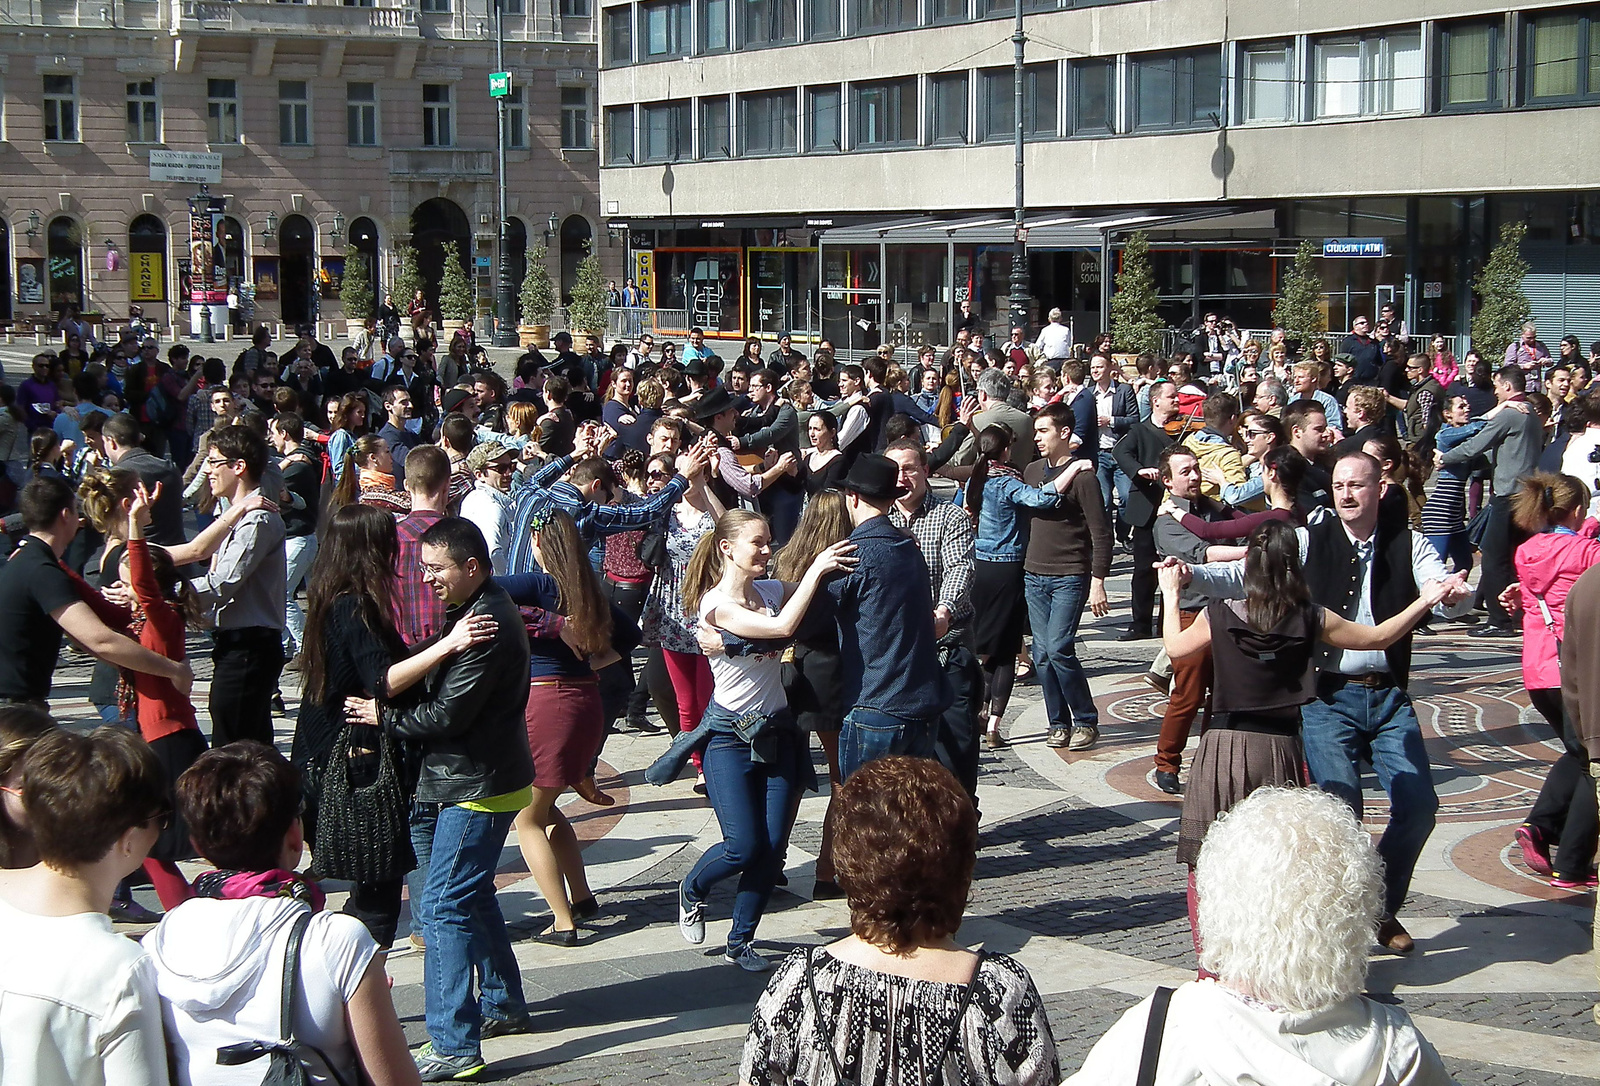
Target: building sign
{"points": [[644, 267], [1353, 247], [187, 167], [499, 84], [147, 280], [1433, 290]]}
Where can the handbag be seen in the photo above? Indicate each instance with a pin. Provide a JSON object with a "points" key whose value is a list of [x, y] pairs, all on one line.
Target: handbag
{"points": [[839, 1078], [652, 551], [1478, 525], [290, 1058], [363, 831]]}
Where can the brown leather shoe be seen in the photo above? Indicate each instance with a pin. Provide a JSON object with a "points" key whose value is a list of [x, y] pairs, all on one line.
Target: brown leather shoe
{"points": [[586, 788], [1393, 937]]}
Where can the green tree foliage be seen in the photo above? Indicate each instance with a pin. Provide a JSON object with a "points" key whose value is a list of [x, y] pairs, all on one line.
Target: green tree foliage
{"points": [[1298, 310], [538, 296], [407, 278], [1135, 325], [587, 313], [1502, 306], [355, 291], [455, 293]]}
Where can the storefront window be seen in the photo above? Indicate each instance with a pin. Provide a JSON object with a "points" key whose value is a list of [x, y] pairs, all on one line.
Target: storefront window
{"points": [[852, 286], [704, 283], [783, 292], [918, 286]]}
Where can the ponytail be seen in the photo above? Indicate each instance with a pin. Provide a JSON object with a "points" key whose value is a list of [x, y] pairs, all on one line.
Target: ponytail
{"points": [[706, 565], [349, 488], [994, 443], [1545, 499]]}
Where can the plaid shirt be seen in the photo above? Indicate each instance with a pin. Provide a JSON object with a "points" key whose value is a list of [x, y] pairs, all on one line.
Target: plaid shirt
{"points": [[943, 530], [417, 611], [547, 491]]}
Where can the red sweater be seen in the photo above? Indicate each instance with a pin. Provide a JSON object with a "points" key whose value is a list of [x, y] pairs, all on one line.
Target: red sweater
{"points": [[162, 710]]}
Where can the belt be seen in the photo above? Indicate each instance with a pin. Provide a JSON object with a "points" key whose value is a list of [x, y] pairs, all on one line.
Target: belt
{"points": [[567, 680], [1372, 680]]}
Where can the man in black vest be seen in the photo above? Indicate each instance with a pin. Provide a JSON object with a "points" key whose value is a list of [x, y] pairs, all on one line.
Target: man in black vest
{"points": [[1138, 454], [1366, 571]]}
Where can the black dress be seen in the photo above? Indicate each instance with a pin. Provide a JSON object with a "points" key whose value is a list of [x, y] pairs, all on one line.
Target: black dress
{"points": [[826, 477]]}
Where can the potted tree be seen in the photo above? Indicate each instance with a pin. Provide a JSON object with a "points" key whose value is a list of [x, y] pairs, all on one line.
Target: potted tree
{"points": [[1298, 310], [587, 313], [1136, 327], [1503, 306], [538, 301], [456, 303], [355, 292], [406, 282]]}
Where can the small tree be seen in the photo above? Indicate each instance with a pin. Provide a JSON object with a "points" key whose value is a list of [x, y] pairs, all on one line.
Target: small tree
{"points": [[355, 291], [1135, 325], [1503, 308], [407, 278], [455, 293], [538, 292], [1298, 310], [587, 313]]}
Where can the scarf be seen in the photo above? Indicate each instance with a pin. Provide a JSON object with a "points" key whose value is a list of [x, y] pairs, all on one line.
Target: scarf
{"points": [[998, 468], [373, 479], [238, 885]]}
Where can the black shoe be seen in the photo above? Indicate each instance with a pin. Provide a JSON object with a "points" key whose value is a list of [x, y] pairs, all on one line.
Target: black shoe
{"points": [[558, 938], [585, 909], [643, 725], [1493, 629], [1136, 634], [1168, 783], [825, 890], [278, 706], [505, 1027]]}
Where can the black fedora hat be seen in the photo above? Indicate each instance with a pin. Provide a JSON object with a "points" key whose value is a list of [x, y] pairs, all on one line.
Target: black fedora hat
{"points": [[713, 403], [874, 476], [696, 367]]}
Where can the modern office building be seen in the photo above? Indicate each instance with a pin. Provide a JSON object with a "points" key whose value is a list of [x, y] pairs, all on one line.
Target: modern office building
{"points": [[846, 166], [339, 124]]}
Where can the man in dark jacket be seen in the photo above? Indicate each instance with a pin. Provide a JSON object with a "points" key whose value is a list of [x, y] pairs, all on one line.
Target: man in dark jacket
{"points": [[771, 423], [474, 778], [122, 438], [1138, 454]]}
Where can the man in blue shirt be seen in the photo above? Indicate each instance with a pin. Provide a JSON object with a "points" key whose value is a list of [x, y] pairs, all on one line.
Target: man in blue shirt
{"points": [[888, 647]]}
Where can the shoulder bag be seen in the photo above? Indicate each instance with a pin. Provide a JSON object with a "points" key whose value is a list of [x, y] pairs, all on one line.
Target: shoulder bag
{"points": [[1153, 1030], [363, 831], [290, 1059]]}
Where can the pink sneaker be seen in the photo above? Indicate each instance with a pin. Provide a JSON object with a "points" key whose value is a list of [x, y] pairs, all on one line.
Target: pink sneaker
{"points": [[1535, 850], [1578, 885]]}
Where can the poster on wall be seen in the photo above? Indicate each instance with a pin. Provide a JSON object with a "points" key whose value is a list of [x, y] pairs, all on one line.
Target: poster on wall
{"points": [[147, 281], [66, 281], [200, 257], [184, 284], [331, 278], [30, 281], [266, 278], [644, 278]]}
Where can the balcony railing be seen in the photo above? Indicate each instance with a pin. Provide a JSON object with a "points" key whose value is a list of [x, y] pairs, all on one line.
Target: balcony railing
{"points": [[440, 164], [392, 18]]}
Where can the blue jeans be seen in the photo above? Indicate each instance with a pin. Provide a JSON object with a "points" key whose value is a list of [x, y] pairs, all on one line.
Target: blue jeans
{"points": [[1454, 547], [1348, 723], [298, 553], [1110, 477], [756, 803], [464, 928], [868, 735], [1055, 605]]}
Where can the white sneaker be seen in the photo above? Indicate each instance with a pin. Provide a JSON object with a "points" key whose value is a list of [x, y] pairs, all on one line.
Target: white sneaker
{"points": [[691, 917]]}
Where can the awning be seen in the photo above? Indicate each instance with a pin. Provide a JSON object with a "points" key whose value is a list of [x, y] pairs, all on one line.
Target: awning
{"points": [[1051, 230]]}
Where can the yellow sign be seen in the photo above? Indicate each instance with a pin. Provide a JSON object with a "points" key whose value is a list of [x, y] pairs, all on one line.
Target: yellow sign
{"points": [[644, 265], [147, 278]]}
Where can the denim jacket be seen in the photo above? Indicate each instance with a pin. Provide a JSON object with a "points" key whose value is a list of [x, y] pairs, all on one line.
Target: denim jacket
{"points": [[1448, 438], [764, 745], [1003, 521]]}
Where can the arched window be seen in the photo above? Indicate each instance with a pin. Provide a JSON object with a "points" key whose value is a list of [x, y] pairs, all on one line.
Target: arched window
{"points": [[147, 260], [297, 246], [364, 239], [575, 237]]}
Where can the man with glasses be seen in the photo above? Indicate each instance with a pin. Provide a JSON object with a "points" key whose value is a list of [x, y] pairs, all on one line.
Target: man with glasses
{"points": [[1365, 352], [1213, 344], [489, 505], [641, 354], [1423, 407], [245, 587]]}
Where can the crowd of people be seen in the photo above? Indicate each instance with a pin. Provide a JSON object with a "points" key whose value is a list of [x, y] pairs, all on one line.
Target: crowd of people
{"points": [[458, 575]]}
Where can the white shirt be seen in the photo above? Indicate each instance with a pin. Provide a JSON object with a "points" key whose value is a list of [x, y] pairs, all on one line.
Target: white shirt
{"points": [[492, 512], [1054, 342], [753, 683], [78, 1004], [1102, 408], [219, 968]]}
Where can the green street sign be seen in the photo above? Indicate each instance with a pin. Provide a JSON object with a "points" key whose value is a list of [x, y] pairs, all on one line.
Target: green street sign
{"points": [[499, 84]]}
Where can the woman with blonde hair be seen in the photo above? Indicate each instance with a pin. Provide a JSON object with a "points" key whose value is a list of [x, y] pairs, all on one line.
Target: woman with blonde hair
{"points": [[755, 759], [564, 715], [1559, 548]]}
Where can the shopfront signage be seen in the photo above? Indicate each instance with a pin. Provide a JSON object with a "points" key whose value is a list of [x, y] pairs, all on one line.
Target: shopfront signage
{"points": [[1353, 247], [499, 84], [713, 224], [187, 167], [819, 222]]}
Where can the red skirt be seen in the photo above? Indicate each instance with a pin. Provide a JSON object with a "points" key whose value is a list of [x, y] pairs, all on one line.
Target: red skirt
{"points": [[565, 727]]}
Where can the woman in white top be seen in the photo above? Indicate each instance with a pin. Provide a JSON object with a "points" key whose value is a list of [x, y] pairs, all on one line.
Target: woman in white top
{"points": [[78, 1003], [755, 760]]}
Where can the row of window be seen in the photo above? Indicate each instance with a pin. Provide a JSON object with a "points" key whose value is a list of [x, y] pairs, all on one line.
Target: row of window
{"points": [[1372, 73], [663, 29], [295, 123], [578, 9]]}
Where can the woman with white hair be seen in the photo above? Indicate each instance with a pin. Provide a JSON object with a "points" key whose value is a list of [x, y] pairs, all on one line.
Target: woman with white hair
{"points": [[1290, 892]]}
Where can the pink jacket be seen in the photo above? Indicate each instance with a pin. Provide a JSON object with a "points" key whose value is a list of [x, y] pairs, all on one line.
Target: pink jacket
{"points": [[1547, 565]]}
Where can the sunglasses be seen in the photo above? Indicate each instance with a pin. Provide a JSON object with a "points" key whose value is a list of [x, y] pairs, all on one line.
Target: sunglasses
{"points": [[662, 476], [1257, 433]]}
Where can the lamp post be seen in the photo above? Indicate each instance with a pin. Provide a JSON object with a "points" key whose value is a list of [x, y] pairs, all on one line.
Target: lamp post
{"points": [[200, 277], [505, 334], [1020, 286]]}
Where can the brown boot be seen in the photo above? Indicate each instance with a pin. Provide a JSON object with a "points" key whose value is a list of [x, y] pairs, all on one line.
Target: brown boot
{"points": [[586, 788], [1393, 937]]}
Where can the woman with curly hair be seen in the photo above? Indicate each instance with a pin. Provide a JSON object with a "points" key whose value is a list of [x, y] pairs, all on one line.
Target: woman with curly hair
{"points": [[898, 1002]]}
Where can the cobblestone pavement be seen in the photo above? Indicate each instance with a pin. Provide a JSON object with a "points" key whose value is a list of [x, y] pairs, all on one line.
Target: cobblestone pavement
{"points": [[1075, 876]]}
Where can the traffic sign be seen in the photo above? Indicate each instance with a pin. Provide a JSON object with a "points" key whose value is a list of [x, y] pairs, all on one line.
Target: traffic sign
{"points": [[499, 84], [188, 167]]}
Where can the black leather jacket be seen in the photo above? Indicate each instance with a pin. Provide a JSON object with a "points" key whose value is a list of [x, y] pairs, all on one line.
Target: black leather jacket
{"points": [[468, 722]]}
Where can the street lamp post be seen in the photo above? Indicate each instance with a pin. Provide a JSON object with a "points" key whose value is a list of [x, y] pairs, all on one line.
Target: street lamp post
{"points": [[1020, 286], [505, 309]]}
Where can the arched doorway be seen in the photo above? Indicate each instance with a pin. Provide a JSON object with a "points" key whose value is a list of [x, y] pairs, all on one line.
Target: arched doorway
{"points": [[575, 237], [5, 270], [434, 223], [147, 262], [364, 240], [64, 248], [516, 255], [297, 245]]}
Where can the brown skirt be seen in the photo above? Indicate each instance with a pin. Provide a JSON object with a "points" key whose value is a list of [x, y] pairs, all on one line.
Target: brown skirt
{"points": [[565, 726], [1228, 766]]}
